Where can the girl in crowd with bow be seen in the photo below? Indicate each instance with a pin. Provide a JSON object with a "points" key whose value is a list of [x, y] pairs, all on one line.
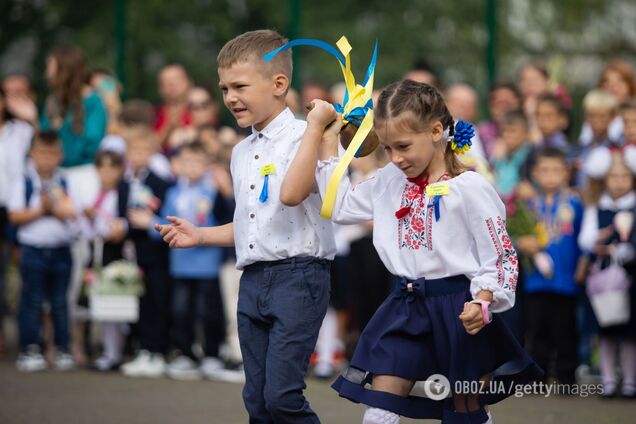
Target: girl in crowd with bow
{"points": [[441, 231]]}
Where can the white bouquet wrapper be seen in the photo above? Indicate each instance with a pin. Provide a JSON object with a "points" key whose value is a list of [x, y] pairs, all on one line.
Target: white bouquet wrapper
{"points": [[611, 307], [115, 293]]}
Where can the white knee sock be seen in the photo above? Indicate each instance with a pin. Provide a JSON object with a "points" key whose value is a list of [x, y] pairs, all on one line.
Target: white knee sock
{"points": [[489, 419], [380, 416]]}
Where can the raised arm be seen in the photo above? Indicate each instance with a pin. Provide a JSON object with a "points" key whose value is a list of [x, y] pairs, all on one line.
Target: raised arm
{"points": [[323, 123]]}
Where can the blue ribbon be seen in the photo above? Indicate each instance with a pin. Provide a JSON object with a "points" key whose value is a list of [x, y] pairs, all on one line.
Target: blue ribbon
{"points": [[264, 192], [436, 206], [308, 42]]}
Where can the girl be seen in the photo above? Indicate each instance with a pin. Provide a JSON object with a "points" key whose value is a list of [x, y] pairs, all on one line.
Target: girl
{"points": [[442, 232], [611, 190], [107, 224]]}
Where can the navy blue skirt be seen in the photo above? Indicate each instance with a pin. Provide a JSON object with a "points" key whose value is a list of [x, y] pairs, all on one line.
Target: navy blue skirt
{"points": [[416, 333]]}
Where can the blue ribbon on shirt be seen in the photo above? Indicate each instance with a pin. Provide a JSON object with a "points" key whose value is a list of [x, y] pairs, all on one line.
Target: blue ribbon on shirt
{"points": [[436, 206], [264, 192]]}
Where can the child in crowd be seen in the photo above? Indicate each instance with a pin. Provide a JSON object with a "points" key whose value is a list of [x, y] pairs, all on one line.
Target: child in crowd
{"points": [[550, 282], [610, 192], [285, 252], [108, 228], [552, 121], [441, 231], [195, 272], [142, 198], [628, 114], [510, 161], [43, 212]]}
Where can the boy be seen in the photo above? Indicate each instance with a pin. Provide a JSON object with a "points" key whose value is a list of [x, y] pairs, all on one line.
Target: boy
{"points": [[552, 120], [39, 205], [142, 198], [285, 252], [550, 283], [510, 167], [196, 271]]}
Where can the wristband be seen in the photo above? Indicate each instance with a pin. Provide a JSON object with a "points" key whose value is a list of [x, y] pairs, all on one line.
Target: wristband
{"points": [[485, 310]]}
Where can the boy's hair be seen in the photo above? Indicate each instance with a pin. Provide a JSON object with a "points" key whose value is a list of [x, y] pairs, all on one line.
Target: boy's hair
{"points": [[419, 105], [108, 155], [599, 100], [516, 117], [506, 85], [46, 139], [252, 46], [629, 105], [137, 112], [195, 147], [550, 153], [553, 100]]}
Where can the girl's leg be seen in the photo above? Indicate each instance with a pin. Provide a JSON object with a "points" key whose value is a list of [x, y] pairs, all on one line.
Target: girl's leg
{"points": [[628, 363], [470, 402], [608, 364], [391, 384]]}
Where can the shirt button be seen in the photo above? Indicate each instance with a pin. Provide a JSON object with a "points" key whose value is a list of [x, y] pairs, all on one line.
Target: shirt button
{"points": [[256, 157], [260, 135], [252, 215], [252, 187], [251, 246]]}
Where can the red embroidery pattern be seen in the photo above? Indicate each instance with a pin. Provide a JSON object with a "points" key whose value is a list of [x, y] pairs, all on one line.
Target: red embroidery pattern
{"points": [[429, 225], [414, 229], [507, 262]]}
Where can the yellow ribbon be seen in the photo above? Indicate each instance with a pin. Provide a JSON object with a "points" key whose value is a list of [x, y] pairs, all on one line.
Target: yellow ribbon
{"points": [[358, 96]]}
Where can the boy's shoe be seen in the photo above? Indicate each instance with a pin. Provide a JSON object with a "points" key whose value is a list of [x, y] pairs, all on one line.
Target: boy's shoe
{"points": [[183, 368], [146, 364], [628, 391], [324, 370], [64, 361], [105, 364], [215, 370], [31, 360]]}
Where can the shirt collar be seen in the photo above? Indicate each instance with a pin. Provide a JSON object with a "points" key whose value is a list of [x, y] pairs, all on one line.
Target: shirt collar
{"points": [[628, 201], [276, 126]]}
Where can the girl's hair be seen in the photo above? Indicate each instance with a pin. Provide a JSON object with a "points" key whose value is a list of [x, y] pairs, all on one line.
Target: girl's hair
{"points": [[624, 70], [70, 78], [6, 115], [108, 155], [596, 186], [418, 105]]}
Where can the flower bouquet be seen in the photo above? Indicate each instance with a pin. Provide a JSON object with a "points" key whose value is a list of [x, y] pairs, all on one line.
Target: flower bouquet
{"points": [[115, 291]]}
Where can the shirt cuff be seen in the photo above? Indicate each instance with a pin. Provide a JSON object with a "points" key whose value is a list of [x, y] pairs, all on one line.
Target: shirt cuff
{"points": [[502, 300]]}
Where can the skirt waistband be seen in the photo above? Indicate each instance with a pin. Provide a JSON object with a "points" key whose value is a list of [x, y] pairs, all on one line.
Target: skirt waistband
{"points": [[283, 264], [433, 287]]}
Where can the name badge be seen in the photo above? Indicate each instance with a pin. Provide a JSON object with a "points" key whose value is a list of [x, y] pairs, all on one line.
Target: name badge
{"points": [[268, 169], [437, 190]]}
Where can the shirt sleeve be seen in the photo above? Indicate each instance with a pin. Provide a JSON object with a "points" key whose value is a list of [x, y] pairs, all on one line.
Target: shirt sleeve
{"points": [[353, 204], [499, 270], [17, 200], [589, 230]]}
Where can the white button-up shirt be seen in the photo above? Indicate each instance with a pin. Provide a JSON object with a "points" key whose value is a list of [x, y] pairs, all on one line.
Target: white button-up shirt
{"points": [[15, 139], [470, 237], [269, 230]]}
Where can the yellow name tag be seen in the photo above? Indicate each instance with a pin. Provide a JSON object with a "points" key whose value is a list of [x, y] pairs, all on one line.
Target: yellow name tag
{"points": [[437, 190], [268, 169]]}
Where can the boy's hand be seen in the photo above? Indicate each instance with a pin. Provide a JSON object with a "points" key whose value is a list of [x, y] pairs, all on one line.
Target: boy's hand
{"points": [[117, 231], [46, 203], [472, 318], [321, 114], [140, 218], [180, 233], [529, 245], [332, 132], [64, 209]]}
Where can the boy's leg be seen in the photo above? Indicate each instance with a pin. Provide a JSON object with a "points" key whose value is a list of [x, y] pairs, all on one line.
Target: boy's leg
{"points": [[183, 315], [154, 310], [60, 265], [210, 305], [31, 296], [298, 302], [253, 332], [565, 338], [538, 329]]}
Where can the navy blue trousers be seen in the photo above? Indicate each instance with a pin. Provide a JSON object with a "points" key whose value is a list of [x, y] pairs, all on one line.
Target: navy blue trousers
{"points": [[280, 310]]}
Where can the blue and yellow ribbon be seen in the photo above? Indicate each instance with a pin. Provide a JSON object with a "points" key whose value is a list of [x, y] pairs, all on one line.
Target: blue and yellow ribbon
{"points": [[357, 106]]}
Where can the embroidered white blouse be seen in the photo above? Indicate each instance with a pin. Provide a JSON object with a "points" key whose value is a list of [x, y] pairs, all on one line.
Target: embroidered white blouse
{"points": [[269, 230], [470, 237]]}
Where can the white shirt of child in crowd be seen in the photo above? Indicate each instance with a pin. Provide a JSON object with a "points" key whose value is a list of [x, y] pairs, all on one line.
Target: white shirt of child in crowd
{"points": [[469, 239], [46, 231], [15, 139], [270, 231], [589, 226], [158, 163]]}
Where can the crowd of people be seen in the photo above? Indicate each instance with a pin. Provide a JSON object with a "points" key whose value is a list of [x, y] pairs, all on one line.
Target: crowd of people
{"points": [[85, 178]]}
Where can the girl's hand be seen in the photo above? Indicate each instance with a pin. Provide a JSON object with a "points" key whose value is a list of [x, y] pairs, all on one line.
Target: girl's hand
{"points": [[180, 233], [604, 234], [472, 318], [321, 114]]}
